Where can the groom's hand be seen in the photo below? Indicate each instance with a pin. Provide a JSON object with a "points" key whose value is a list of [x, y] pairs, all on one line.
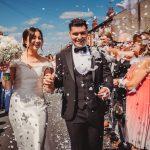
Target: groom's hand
{"points": [[104, 93]]}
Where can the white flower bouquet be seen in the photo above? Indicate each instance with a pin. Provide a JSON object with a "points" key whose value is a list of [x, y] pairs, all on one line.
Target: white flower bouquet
{"points": [[10, 49]]}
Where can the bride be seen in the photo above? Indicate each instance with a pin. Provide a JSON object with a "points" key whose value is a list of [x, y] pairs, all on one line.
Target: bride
{"points": [[28, 112]]}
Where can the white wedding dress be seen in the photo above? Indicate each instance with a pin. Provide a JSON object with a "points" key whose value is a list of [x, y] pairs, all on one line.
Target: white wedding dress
{"points": [[28, 112]]}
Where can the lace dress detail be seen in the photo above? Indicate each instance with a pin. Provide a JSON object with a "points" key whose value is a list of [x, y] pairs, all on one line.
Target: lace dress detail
{"points": [[28, 112]]}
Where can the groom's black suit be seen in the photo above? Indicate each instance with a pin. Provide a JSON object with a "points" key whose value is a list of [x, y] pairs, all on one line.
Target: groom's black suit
{"points": [[80, 104]]}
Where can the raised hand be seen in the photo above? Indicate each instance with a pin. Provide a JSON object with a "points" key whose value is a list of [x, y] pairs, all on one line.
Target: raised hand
{"points": [[48, 81], [115, 82]]}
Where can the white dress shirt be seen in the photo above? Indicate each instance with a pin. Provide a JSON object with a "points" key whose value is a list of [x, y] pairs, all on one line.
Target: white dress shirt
{"points": [[82, 60]]}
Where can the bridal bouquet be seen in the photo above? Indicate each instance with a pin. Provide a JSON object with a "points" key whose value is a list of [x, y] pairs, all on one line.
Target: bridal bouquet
{"points": [[10, 49]]}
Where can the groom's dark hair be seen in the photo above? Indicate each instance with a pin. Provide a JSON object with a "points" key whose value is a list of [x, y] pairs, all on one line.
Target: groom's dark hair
{"points": [[77, 22]]}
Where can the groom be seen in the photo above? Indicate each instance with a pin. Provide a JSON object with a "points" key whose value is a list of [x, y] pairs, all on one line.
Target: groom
{"points": [[85, 81]]}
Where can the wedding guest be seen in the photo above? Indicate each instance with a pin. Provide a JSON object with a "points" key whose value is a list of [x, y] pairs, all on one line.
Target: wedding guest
{"points": [[1, 99], [1, 34], [120, 69], [7, 97], [105, 43], [86, 81], [27, 112], [145, 35], [137, 83], [121, 48]]}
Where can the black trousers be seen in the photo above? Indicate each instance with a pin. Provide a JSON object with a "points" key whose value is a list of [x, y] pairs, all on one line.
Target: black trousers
{"points": [[83, 133]]}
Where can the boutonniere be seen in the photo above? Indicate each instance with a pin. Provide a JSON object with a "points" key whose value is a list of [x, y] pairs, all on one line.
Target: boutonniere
{"points": [[95, 53], [93, 66]]}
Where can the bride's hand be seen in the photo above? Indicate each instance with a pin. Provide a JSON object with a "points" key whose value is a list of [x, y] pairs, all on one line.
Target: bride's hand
{"points": [[48, 82], [4, 67]]}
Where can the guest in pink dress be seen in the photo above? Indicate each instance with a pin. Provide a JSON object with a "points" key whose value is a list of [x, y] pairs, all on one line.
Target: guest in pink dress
{"points": [[137, 83]]}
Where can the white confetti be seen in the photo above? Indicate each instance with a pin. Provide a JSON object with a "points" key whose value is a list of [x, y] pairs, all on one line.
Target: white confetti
{"points": [[133, 11], [91, 88], [145, 14], [82, 85], [145, 6]]}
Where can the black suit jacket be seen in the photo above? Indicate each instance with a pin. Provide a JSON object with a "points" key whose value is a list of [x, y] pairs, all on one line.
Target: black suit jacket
{"points": [[66, 79], [121, 68]]}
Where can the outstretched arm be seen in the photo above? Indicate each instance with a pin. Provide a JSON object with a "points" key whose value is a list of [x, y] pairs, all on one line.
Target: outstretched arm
{"points": [[139, 74]]}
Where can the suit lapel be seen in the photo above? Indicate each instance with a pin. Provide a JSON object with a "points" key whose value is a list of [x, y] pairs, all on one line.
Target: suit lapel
{"points": [[69, 61], [92, 65]]}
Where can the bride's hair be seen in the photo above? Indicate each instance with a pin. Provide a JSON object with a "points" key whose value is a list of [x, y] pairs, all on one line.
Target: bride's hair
{"points": [[30, 32]]}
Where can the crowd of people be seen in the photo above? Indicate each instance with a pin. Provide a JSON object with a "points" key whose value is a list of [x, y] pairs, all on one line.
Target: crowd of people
{"points": [[130, 106], [4, 94], [103, 87]]}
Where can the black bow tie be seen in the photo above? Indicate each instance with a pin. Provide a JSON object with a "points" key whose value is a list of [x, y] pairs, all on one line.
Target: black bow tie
{"points": [[82, 49]]}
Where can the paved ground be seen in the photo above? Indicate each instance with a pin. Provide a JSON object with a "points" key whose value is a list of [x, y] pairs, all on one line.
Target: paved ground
{"points": [[7, 141]]}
